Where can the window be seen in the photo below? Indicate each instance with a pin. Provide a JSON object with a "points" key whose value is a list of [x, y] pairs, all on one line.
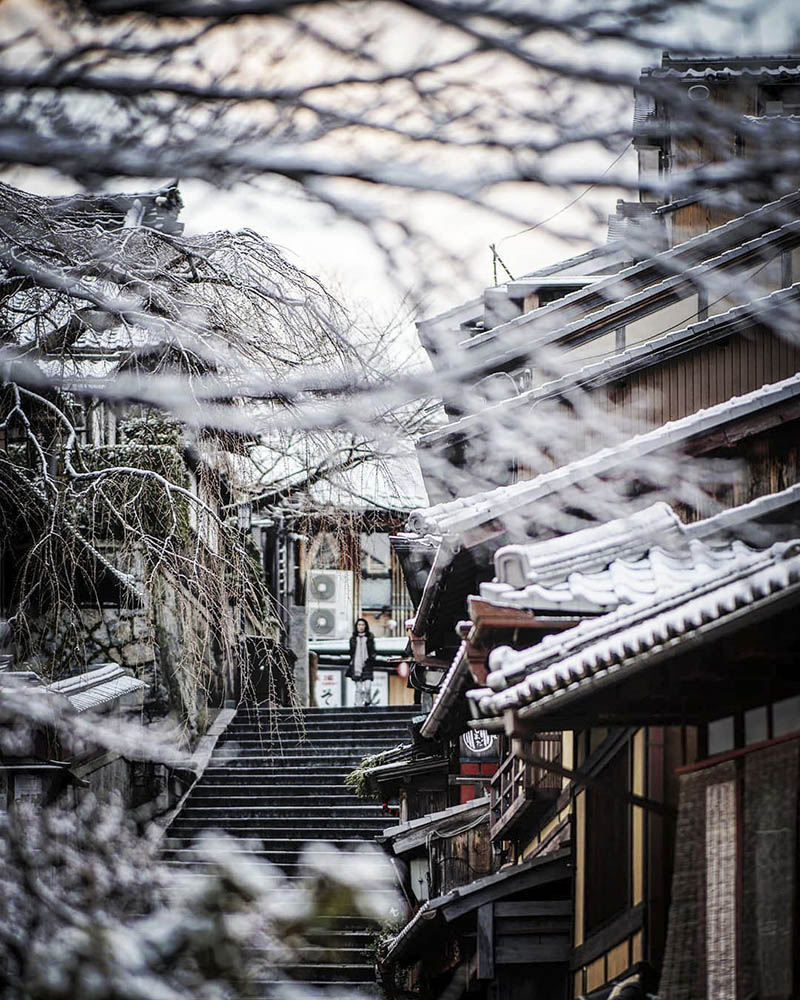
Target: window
{"points": [[786, 716], [721, 736], [756, 725], [779, 100], [608, 844], [376, 571], [766, 722]]}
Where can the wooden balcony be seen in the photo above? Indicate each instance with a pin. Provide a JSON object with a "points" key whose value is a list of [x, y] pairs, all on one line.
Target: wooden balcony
{"points": [[520, 791]]}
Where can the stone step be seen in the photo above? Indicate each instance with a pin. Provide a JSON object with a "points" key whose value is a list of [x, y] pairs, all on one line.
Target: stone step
{"points": [[392, 735], [245, 844], [311, 805], [279, 875], [291, 862], [335, 755], [289, 859], [283, 829], [278, 768], [382, 726], [320, 725], [312, 739], [264, 722], [267, 785], [259, 786], [302, 805], [332, 756], [334, 749], [324, 954], [237, 770], [281, 712], [219, 806], [276, 784], [250, 759], [334, 973], [353, 990]]}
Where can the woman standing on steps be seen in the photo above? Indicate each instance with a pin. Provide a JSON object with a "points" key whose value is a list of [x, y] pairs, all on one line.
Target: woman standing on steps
{"points": [[362, 661]]}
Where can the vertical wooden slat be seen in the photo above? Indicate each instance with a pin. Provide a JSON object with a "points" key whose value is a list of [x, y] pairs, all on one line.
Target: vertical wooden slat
{"points": [[740, 346], [728, 350], [638, 819], [697, 382], [485, 942], [674, 405], [758, 353], [580, 864], [721, 891]]}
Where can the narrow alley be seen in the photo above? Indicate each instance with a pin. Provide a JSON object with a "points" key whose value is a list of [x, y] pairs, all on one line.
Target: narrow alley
{"points": [[276, 782]]}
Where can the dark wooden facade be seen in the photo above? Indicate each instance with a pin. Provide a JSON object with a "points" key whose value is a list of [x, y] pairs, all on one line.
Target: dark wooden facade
{"points": [[638, 401]]}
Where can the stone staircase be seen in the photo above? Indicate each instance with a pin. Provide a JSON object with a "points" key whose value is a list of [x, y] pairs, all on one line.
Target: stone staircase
{"points": [[276, 782]]}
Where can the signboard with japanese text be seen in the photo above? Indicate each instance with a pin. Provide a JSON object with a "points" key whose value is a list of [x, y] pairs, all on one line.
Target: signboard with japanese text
{"points": [[478, 744], [328, 689], [378, 690]]}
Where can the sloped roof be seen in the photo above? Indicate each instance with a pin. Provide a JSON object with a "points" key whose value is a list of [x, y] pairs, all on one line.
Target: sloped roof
{"points": [[407, 836], [717, 66], [100, 686], [529, 874], [455, 517], [672, 271], [157, 209], [567, 566], [599, 651], [597, 261], [609, 566], [449, 690], [769, 309]]}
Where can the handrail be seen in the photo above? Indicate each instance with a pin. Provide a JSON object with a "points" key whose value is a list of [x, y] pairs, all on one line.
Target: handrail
{"points": [[517, 778]]}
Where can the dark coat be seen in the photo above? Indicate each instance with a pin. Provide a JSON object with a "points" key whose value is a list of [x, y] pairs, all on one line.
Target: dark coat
{"points": [[369, 666]]}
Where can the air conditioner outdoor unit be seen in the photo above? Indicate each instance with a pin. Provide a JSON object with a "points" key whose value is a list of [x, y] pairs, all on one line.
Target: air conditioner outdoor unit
{"points": [[329, 603]]}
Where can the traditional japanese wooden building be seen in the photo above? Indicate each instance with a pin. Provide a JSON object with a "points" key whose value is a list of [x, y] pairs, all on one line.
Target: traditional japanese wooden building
{"points": [[605, 580], [600, 790], [665, 870]]}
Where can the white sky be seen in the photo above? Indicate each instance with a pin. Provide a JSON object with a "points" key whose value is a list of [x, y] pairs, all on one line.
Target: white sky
{"points": [[342, 254]]}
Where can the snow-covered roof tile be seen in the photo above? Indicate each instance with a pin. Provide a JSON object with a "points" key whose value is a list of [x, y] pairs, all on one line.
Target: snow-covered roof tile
{"points": [[623, 581], [561, 666], [552, 561], [100, 686], [704, 68]]}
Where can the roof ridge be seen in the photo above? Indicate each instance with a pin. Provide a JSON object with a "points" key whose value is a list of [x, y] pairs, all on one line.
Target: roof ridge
{"points": [[574, 642]]}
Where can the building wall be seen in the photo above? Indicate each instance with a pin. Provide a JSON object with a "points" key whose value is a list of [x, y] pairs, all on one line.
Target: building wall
{"points": [[677, 388], [603, 953]]}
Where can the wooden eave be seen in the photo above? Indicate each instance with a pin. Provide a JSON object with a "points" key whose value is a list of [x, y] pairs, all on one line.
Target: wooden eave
{"points": [[746, 427], [486, 615], [423, 934]]}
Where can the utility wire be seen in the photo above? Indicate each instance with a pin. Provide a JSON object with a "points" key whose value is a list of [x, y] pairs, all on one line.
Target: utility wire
{"points": [[493, 246]]}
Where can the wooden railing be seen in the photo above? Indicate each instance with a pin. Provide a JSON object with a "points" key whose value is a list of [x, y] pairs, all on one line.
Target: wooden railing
{"points": [[516, 782]]}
